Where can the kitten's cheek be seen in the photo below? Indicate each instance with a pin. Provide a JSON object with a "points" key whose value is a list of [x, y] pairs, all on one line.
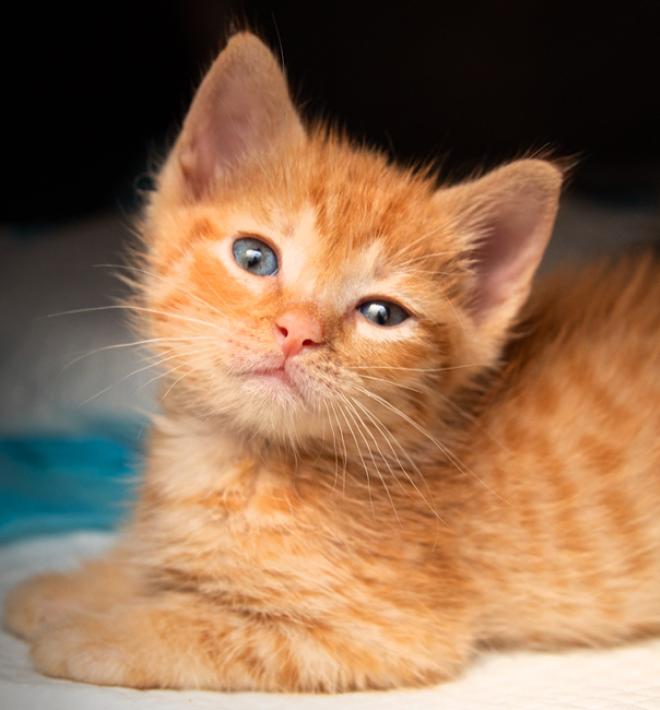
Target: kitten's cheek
{"points": [[370, 333]]}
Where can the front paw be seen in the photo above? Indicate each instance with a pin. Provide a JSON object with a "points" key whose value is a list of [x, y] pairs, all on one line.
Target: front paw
{"points": [[86, 648], [34, 604]]}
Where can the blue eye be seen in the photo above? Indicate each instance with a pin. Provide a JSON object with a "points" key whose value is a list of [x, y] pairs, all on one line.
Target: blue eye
{"points": [[383, 312], [255, 256]]}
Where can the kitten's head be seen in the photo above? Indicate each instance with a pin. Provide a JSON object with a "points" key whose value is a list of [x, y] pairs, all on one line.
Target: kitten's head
{"points": [[304, 287]]}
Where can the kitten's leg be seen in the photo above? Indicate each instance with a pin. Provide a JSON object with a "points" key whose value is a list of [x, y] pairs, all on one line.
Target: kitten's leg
{"points": [[184, 641], [48, 598]]}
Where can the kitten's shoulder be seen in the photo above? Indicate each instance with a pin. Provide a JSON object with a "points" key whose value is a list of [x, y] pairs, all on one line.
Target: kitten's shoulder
{"points": [[599, 312], [624, 290]]}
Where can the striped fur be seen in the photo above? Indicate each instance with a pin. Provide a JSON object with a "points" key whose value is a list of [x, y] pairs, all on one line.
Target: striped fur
{"points": [[487, 473]]}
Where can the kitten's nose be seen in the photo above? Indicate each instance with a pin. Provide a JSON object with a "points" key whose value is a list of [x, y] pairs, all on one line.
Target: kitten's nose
{"points": [[296, 330]]}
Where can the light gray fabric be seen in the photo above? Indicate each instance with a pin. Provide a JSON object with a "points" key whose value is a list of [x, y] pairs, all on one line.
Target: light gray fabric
{"points": [[44, 274]]}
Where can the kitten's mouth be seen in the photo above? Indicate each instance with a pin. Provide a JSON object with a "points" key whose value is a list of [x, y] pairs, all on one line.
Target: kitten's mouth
{"points": [[278, 375]]}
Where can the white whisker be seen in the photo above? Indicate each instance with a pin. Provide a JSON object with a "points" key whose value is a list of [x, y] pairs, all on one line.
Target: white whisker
{"points": [[135, 343], [373, 438], [450, 456]]}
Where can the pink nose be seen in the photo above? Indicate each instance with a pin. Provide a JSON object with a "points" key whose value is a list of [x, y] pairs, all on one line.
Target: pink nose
{"points": [[296, 330]]}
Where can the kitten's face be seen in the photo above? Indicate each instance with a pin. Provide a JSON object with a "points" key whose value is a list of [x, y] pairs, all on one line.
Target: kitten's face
{"points": [[304, 288], [326, 287]]}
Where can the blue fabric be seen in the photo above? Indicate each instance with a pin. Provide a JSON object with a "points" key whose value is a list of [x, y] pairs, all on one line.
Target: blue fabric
{"points": [[55, 484]]}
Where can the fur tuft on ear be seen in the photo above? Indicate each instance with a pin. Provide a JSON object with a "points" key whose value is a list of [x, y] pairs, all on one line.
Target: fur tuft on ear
{"points": [[505, 219], [241, 112]]}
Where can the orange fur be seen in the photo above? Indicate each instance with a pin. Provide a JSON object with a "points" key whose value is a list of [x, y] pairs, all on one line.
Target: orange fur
{"points": [[479, 474]]}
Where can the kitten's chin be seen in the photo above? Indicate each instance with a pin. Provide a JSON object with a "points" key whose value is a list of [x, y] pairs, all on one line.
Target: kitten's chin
{"points": [[276, 382], [278, 404]]}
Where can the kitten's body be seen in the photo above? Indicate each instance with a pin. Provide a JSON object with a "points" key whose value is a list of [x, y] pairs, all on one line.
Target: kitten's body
{"points": [[466, 498], [573, 449]]}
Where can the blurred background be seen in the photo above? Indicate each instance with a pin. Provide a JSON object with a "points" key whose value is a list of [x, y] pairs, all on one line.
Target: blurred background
{"points": [[92, 97]]}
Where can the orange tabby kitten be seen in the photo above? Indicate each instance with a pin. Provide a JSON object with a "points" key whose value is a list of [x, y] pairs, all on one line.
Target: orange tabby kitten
{"points": [[359, 476]]}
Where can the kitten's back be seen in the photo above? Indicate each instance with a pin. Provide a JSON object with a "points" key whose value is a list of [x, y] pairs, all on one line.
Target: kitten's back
{"points": [[571, 450]]}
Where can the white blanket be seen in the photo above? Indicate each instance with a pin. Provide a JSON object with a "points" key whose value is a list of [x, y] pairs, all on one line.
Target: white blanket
{"points": [[624, 678]]}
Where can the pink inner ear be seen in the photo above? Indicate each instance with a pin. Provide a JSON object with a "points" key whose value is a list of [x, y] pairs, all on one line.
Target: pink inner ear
{"points": [[218, 138], [242, 109], [506, 218], [507, 256]]}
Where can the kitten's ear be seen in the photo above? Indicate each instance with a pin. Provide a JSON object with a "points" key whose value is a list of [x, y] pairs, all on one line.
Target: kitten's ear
{"points": [[241, 112], [505, 219]]}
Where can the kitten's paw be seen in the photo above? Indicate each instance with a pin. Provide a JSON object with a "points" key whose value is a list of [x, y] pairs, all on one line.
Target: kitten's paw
{"points": [[36, 603], [85, 648]]}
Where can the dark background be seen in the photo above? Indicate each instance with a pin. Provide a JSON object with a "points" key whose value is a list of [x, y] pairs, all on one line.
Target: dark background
{"points": [[92, 96]]}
